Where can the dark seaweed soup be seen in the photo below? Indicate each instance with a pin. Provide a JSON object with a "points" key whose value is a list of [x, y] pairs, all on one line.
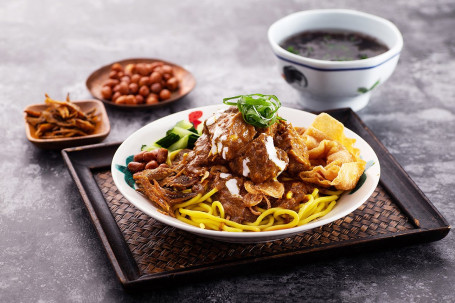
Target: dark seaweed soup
{"points": [[334, 45]]}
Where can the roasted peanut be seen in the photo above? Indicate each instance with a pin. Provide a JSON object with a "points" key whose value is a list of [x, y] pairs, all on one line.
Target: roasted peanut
{"points": [[139, 157], [121, 100], [144, 81], [130, 68], [155, 88], [155, 77], [147, 82], [130, 99], [126, 79], [151, 165], [133, 88], [135, 167], [111, 82], [152, 99], [106, 92], [158, 69], [123, 88], [113, 75], [139, 99], [117, 67], [165, 94], [161, 155], [144, 91], [167, 69], [172, 84], [142, 69], [135, 78], [153, 65], [115, 96], [150, 155]]}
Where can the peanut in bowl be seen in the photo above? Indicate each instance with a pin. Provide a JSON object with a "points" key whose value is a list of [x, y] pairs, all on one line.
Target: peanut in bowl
{"points": [[140, 83]]}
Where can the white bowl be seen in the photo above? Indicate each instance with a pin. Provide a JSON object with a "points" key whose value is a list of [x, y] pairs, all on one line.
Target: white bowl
{"points": [[335, 84], [155, 130]]}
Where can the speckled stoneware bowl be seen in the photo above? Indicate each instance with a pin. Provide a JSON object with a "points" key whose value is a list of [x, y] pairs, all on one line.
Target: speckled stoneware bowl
{"points": [[347, 203], [335, 84]]}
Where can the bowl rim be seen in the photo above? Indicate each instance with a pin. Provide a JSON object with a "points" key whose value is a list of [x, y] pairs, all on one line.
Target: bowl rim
{"points": [[103, 120], [325, 65]]}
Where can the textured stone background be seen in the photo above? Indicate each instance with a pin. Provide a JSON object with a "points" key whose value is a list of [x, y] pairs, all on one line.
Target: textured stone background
{"points": [[49, 251]]}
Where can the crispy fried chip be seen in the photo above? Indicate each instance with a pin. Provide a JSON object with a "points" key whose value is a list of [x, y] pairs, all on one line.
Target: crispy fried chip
{"points": [[327, 127], [336, 162], [270, 188]]}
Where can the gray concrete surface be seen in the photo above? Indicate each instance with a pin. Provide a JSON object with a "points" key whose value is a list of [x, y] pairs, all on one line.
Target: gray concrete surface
{"points": [[49, 251]]}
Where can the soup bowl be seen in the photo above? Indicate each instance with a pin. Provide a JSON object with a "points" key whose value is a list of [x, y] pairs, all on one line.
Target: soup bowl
{"points": [[335, 84]]}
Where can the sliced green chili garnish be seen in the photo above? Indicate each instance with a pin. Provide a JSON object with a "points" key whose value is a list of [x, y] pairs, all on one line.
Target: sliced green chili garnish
{"points": [[257, 109]]}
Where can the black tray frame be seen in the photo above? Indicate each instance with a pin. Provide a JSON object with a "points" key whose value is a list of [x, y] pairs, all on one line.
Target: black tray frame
{"points": [[83, 161]]}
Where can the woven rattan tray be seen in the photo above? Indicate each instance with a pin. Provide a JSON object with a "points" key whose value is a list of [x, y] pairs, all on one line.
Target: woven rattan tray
{"points": [[145, 252]]}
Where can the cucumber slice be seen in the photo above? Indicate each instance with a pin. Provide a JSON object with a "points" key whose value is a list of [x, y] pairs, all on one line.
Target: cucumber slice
{"points": [[193, 130], [185, 124], [181, 132], [191, 140], [182, 135], [180, 144], [168, 140], [149, 147], [200, 128]]}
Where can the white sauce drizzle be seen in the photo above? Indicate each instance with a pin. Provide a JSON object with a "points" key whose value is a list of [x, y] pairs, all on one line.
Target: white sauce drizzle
{"points": [[246, 169], [213, 118], [271, 151], [210, 121], [224, 175], [216, 133], [233, 187], [225, 151]]}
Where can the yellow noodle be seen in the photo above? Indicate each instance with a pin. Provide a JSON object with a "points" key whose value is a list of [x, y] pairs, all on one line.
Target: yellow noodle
{"points": [[209, 224], [269, 221], [201, 211], [280, 212], [208, 195], [193, 200], [218, 206], [231, 229], [205, 208], [199, 214], [317, 215], [185, 220]]}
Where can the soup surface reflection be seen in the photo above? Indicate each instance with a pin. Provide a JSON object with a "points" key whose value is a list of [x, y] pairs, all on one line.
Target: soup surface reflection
{"points": [[334, 45]]}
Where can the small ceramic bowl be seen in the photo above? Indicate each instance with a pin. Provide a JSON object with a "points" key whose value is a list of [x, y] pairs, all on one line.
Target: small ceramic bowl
{"points": [[102, 128], [335, 84]]}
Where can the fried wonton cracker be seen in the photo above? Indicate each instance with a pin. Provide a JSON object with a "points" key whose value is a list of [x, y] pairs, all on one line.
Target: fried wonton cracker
{"points": [[336, 162], [327, 127]]}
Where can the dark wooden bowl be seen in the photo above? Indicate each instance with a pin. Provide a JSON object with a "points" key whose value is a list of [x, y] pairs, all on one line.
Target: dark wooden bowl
{"points": [[102, 127], [95, 82]]}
